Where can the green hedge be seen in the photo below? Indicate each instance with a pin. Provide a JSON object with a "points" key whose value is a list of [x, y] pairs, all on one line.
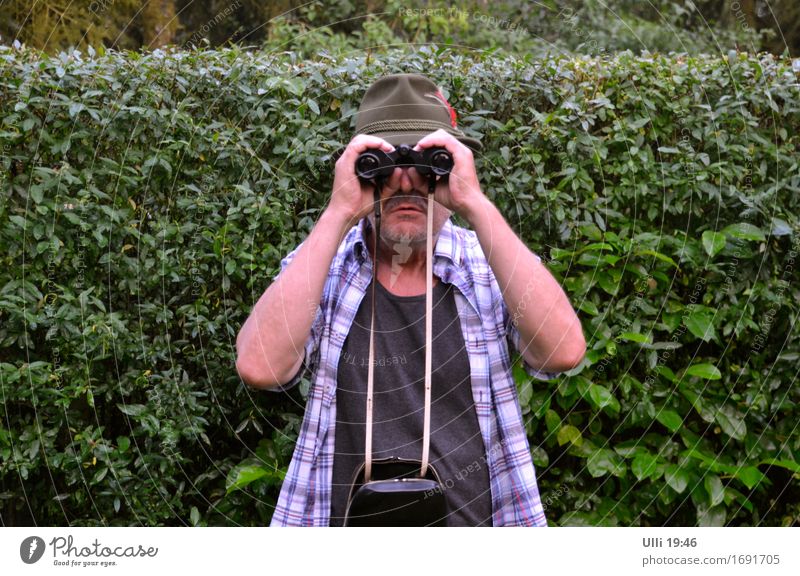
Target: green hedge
{"points": [[147, 201]]}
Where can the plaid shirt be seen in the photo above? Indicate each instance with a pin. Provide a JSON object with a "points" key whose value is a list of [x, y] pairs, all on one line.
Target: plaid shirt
{"points": [[305, 498]]}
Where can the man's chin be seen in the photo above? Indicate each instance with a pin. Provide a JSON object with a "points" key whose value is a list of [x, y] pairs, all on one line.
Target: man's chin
{"points": [[402, 237]]}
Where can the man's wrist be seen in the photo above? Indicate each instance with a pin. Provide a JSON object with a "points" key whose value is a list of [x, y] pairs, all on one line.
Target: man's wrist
{"points": [[480, 212], [338, 218]]}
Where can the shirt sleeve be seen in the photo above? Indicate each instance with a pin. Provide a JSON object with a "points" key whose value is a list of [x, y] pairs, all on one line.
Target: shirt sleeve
{"points": [[311, 347], [513, 337]]}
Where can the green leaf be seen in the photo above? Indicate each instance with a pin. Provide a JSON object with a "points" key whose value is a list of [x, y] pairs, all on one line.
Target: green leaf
{"points": [[780, 227], [635, 337], [242, 476], [132, 409], [520, 375], [37, 194], [99, 475], [569, 434], [715, 489], [713, 242], [605, 461], [666, 372], [75, 108], [602, 397], [750, 476], [644, 466], [788, 464], [733, 495], [194, 516], [705, 411], [540, 457], [525, 392], [745, 231], [18, 220], [714, 516], [553, 422], [710, 460], [123, 443], [677, 478], [659, 256], [706, 371], [630, 448], [701, 325], [670, 419], [540, 402], [731, 422], [295, 86]]}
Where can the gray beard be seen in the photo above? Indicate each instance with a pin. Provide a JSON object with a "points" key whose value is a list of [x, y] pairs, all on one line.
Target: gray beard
{"points": [[402, 241]]}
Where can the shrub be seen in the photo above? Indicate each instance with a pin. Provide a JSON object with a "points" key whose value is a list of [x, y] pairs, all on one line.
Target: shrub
{"points": [[147, 201]]}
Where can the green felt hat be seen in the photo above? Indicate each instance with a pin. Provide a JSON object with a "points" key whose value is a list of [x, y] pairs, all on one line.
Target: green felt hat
{"points": [[402, 108]]}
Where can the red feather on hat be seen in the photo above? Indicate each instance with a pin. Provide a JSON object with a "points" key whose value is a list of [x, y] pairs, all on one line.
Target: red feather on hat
{"points": [[441, 97]]}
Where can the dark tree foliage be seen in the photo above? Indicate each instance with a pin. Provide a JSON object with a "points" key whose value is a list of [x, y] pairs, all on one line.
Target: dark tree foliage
{"points": [[517, 26]]}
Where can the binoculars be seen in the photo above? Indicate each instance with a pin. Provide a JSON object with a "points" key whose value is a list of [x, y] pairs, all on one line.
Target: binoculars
{"points": [[375, 163]]}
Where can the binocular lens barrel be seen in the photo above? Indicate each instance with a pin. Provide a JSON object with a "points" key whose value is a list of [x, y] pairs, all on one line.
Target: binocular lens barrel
{"points": [[374, 162], [367, 165], [441, 163]]}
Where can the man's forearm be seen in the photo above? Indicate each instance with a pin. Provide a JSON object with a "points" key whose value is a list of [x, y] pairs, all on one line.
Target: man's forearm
{"points": [[272, 340], [551, 336]]}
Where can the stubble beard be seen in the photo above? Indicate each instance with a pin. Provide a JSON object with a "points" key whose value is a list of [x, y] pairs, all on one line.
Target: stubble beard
{"points": [[401, 240]]}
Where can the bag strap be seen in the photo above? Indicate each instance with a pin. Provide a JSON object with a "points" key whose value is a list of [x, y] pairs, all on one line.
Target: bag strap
{"points": [[370, 375], [426, 426]]}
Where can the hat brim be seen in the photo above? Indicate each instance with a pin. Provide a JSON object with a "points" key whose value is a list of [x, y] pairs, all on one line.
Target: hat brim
{"points": [[412, 137]]}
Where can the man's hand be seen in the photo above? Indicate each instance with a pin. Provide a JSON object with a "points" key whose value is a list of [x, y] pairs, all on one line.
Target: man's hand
{"points": [[350, 197], [462, 192]]}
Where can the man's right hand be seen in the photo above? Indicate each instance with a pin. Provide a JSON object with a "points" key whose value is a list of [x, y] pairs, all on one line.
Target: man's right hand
{"points": [[351, 197]]}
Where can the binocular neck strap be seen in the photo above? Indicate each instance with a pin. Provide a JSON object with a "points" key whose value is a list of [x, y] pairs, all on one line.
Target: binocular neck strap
{"points": [[426, 427]]}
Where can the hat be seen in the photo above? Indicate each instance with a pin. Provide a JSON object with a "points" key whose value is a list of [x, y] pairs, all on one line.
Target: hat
{"points": [[402, 108]]}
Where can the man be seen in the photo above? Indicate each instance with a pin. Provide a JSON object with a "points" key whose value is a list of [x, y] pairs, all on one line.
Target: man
{"points": [[490, 292]]}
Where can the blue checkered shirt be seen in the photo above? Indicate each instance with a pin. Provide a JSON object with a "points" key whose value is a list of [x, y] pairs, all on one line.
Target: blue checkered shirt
{"points": [[305, 497]]}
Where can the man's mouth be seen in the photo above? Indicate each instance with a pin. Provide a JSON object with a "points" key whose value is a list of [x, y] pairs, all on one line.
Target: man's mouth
{"points": [[406, 204], [408, 208]]}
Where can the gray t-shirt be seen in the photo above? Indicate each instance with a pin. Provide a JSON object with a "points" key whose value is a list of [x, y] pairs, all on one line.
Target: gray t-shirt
{"points": [[456, 450]]}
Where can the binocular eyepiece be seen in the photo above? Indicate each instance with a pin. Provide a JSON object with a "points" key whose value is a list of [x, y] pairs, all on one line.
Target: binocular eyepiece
{"points": [[375, 163]]}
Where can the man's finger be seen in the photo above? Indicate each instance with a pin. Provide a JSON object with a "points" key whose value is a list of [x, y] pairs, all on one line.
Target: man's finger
{"points": [[443, 139], [364, 142], [359, 144]]}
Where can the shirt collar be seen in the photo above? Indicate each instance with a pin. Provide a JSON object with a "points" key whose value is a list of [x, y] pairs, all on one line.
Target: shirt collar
{"points": [[447, 244]]}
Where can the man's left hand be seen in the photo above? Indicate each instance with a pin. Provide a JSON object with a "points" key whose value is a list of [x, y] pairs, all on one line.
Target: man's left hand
{"points": [[461, 193]]}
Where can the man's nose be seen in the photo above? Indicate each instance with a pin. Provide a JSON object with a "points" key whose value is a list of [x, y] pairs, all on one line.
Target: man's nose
{"points": [[404, 178]]}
